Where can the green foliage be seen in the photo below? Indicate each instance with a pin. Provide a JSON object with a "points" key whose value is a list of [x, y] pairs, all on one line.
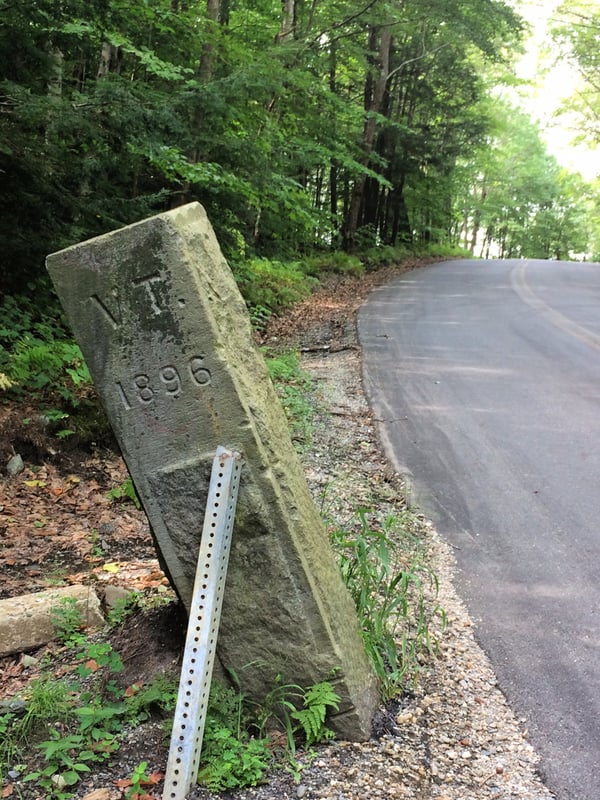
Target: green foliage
{"points": [[67, 620], [336, 261], [385, 569], [9, 745], [101, 654], [67, 762], [293, 385], [157, 697], [113, 111], [270, 286], [125, 491], [231, 757], [36, 354], [75, 722], [136, 601], [229, 762], [384, 255], [139, 779], [444, 251], [38, 364], [317, 700], [39, 358], [48, 699], [48, 702], [576, 32]]}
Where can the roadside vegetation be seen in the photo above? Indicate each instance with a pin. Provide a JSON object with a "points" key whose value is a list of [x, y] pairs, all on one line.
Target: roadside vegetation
{"points": [[72, 717], [322, 139], [75, 714], [41, 362]]}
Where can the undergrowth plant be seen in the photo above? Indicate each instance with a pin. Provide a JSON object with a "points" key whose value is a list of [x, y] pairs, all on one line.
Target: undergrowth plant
{"points": [[240, 738], [40, 360], [65, 727], [231, 756], [125, 491], [76, 721], [384, 567], [270, 286], [292, 384], [67, 619], [37, 354]]}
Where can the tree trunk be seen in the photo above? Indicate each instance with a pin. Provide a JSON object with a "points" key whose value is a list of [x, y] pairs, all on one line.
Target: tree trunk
{"points": [[288, 19], [380, 40], [477, 219], [110, 60], [55, 73], [213, 10]]}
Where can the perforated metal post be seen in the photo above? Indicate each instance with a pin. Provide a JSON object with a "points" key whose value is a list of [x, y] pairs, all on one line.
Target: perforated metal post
{"points": [[203, 626]]}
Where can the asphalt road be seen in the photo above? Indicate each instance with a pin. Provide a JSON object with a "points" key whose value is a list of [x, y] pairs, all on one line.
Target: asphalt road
{"points": [[485, 379]]}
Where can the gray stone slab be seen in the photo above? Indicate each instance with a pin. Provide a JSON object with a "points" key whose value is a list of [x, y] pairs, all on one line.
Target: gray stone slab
{"points": [[27, 621], [167, 338]]}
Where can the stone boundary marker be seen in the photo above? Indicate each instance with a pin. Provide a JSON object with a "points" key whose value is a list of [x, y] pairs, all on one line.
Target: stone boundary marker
{"points": [[167, 337]]}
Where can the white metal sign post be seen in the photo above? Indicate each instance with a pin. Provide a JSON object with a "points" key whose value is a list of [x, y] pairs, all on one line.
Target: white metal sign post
{"points": [[203, 626]]}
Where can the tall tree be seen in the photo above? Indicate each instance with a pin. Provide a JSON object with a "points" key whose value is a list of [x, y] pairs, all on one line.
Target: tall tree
{"points": [[578, 34]]}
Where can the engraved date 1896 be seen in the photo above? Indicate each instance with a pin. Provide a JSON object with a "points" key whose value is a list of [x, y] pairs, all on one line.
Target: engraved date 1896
{"points": [[169, 381]]}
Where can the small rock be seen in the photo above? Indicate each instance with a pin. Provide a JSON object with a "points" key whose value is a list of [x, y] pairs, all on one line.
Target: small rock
{"points": [[13, 705], [15, 465], [98, 794], [58, 781], [106, 528], [113, 595], [300, 791]]}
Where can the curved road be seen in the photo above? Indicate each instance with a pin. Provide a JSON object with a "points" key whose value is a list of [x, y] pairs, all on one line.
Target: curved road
{"points": [[485, 379]]}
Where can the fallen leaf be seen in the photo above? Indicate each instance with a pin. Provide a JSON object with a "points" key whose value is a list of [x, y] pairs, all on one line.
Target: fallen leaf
{"points": [[92, 665], [111, 567], [35, 484], [8, 790]]}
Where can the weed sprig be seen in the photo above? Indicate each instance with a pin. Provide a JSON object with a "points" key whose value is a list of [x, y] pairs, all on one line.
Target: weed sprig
{"points": [[385, 569]]}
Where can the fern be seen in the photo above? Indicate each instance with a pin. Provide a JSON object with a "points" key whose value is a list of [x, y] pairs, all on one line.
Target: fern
{"points": [[317, 700]]}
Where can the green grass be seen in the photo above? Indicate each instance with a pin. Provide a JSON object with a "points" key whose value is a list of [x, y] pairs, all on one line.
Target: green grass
{"points": [[293, 386]]}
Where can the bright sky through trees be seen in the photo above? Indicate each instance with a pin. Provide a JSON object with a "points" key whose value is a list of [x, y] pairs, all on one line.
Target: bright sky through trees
{"points": [[554, 82]]}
